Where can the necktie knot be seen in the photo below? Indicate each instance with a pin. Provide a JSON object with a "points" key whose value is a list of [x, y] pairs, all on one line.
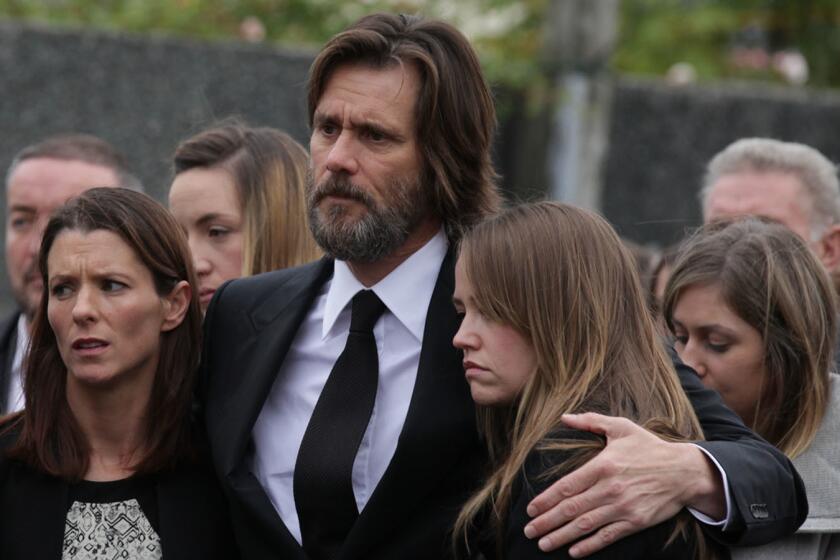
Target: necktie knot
{"points": [[366, 310]]}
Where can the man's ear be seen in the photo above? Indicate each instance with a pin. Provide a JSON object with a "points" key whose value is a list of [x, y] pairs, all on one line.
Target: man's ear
{"points": [[175, 305], [828, 249]]}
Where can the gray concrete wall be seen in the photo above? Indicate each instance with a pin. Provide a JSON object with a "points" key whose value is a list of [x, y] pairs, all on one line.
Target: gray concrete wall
{"points": [[143, 94], [661, 138]]}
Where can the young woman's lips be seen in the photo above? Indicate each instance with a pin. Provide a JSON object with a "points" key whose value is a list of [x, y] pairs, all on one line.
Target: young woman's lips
{"points": [[89, 346], [472, 369], [206, 294]]}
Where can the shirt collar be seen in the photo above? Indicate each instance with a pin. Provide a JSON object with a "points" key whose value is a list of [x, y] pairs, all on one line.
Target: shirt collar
{"points": [[411, 282], [22, 342]]}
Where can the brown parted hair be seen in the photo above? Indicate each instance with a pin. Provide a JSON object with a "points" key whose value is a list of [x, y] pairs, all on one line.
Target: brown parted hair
{"points": [[769, 277], [269, 170], [454, 113], [561, 277], [80, 147], [51, 439]]}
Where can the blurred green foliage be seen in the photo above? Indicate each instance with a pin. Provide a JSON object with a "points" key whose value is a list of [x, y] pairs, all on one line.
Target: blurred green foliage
{"points": [[506, 32], [654, 34]]}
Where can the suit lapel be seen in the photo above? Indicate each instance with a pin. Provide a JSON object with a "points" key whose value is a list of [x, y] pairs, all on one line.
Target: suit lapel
{"points": [[256, 361], [240, 396], [439, 426]]}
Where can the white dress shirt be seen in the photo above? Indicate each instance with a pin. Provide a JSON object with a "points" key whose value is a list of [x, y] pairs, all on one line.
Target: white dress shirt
{"points": [[278, 431], [15, 400]]}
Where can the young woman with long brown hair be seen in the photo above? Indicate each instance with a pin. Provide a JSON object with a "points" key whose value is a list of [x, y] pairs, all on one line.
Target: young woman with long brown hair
{"points": [[556, 322]]}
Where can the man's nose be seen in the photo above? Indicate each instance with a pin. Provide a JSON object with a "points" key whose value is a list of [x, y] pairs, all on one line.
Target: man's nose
{"points": [[343, 155], [36, 234]]}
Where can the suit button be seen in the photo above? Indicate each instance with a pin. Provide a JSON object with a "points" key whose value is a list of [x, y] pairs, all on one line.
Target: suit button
{"points": [[759, 511]]}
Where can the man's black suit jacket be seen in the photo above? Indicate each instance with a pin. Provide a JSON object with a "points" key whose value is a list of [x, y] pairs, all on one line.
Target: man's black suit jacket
{"points": [[8, 345], [439, 459]]}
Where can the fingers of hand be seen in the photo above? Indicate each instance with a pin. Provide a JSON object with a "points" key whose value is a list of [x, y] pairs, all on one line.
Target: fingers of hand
{"points": [[610, 426], [604, 537], [578, 528], [558, 516], [573, 484], [637, 501]]}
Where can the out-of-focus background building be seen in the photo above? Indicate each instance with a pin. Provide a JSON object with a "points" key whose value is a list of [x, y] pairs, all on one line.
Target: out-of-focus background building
{"points": [[616, 105]]}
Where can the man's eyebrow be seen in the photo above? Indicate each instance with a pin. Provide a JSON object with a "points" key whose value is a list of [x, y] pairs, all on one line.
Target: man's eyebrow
{"points": [[22, 208], [319, 117], [380, 128], [366, 124]]}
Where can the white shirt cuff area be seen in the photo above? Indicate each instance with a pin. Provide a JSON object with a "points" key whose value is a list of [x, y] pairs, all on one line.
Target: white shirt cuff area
{"points": [[702, 517]]}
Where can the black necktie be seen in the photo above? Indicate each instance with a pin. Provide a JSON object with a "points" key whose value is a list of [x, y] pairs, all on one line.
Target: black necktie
{"points": [[323, 486]]}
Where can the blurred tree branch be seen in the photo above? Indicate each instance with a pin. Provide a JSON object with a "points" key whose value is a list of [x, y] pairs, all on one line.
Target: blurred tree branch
{"points": [[653, 34]]}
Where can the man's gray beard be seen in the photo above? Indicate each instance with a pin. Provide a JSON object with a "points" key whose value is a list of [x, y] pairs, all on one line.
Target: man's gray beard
{"points": [[379, 232]]}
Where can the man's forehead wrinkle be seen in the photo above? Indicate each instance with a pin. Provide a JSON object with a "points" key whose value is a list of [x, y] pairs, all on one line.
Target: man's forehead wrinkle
{"points": [[356, 117]]}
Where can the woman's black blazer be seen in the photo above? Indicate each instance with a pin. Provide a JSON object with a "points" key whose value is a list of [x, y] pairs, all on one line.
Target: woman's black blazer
{"points": [[192, 513]]}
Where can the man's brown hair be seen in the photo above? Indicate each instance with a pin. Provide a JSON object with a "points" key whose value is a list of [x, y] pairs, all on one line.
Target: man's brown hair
{"points": [[80, 147], [455, 116]]}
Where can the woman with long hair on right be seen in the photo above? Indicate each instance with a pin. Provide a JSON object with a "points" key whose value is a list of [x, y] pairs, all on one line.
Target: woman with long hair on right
{"points": [[555, 321], [753, 312]]}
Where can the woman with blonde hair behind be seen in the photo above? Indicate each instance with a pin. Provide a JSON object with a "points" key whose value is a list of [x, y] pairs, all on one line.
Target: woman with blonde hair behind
{"points": [[555, 321], [753, 312], [239, 192]]}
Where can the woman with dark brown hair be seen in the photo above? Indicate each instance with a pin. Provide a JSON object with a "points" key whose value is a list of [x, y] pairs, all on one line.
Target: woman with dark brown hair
{"points": [[753, 312], [105, 460]]}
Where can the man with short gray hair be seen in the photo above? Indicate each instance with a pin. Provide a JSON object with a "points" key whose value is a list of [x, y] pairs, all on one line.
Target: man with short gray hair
{"points": [[786, 181], [42, 177]]}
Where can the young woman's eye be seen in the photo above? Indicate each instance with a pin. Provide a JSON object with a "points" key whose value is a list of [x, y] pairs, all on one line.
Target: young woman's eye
{"points": [[718, 347], [680, 339], [217, 231], [484, 314]]}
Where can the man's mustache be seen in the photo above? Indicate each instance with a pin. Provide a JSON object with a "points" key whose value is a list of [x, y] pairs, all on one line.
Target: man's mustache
{"points": [[341, 188]]}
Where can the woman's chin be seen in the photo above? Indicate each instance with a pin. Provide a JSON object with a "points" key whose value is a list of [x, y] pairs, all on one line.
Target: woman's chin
{"points": [[489, 396], [93, 378]]}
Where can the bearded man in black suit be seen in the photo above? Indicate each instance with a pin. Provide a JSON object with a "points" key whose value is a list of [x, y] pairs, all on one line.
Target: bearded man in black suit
{"points": [[320, 458]]}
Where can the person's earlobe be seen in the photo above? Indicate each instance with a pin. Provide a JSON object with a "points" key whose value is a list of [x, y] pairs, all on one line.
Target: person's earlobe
{"points": [[829, 249], [176, 304]]}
